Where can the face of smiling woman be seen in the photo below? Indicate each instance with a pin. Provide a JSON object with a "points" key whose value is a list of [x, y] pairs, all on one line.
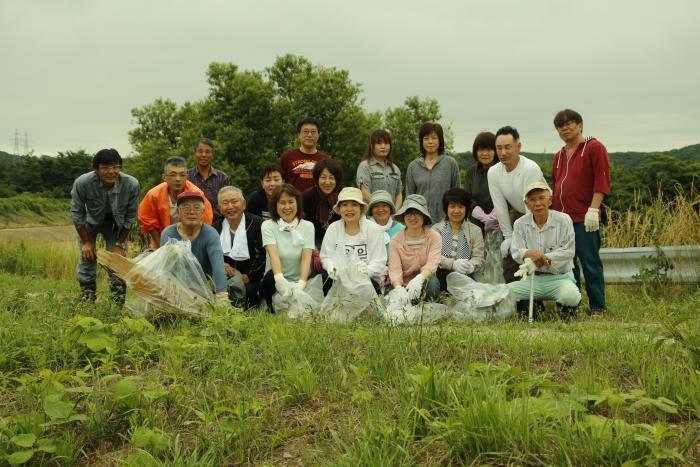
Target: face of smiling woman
{"points": [[287, 207], [350, 211], [326, 182]]}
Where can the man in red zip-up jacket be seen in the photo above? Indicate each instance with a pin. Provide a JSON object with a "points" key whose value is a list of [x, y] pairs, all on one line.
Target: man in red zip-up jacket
{"points": [[581, 180]]}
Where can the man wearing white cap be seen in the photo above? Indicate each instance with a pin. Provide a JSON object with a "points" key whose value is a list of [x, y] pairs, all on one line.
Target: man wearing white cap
{"points": [[543, 242]]}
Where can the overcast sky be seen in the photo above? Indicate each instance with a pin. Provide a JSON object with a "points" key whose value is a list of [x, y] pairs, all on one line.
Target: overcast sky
{"points": [[71, 71]]}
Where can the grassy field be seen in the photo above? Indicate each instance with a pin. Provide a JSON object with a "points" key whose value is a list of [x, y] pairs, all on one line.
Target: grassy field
{"points": [[27, 210], [85, 384], [88, 385]]}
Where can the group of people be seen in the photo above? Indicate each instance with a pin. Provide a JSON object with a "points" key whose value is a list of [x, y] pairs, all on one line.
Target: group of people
{"points": [[406, 232]]}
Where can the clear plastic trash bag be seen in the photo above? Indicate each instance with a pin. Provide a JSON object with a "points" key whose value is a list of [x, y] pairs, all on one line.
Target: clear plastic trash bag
{"points": [[300, 303], [351, 294], [399, 310], [492, 273], [475, 301], [169, 280]]}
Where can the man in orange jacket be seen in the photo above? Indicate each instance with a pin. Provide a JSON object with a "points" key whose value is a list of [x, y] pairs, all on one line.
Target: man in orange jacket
{"points": [[158, 209]]}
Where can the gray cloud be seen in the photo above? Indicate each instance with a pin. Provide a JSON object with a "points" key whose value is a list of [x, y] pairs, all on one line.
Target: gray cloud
{"points": [[72, 71]]}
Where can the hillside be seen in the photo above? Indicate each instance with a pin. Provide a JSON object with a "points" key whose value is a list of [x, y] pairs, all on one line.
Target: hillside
{"points": [[7, 157], [631, 158]]}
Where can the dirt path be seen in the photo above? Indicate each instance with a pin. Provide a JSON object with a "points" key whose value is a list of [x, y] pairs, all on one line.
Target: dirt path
{"points": [[60, 233]]}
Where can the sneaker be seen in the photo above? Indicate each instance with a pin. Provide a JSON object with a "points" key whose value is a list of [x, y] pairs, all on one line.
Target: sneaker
{"points": [[597, 313]]}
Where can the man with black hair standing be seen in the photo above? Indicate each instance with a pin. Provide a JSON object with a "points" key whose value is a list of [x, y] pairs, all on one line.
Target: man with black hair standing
{"points": [[105, 202], [298, 164], [205, 177], [581, 179], [507, 181]]}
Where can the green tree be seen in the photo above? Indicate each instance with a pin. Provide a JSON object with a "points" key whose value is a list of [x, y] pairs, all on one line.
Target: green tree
{"points": [[404, 123]]}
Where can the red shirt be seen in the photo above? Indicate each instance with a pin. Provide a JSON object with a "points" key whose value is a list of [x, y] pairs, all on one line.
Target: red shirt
{"points": [[577, 177], [298, 167]]}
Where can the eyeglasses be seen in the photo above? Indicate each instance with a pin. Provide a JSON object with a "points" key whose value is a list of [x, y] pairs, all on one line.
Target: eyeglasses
{"points": [[309, 132], [110, 168]]}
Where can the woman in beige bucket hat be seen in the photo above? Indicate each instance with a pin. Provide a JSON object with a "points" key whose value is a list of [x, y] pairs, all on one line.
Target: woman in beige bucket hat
{"points": [[353, 234]]}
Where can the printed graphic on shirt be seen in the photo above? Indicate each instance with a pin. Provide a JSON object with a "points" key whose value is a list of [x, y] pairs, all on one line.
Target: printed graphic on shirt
{"points": [[360, 250], [304, 168]]}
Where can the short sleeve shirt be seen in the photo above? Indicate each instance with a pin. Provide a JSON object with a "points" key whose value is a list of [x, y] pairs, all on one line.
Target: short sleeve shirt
{"points": [[290, 254], [375, 176]]}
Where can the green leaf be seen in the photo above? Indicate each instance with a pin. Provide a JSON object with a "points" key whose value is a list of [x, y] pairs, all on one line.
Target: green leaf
{"points": [[126, 392], [98, 341], [151, 440], [54, 407], [46, 445], [25, 440], [20, 457]]}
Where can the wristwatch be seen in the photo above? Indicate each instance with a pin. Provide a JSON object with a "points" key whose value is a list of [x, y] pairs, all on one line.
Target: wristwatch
{"points": [[121, 245]]}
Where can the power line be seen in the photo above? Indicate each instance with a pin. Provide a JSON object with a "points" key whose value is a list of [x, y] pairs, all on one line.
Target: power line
{"points": [[16, 142]]}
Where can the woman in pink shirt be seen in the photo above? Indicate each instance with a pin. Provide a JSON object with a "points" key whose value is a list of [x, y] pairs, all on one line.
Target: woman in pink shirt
{"points": [[414, 253]]}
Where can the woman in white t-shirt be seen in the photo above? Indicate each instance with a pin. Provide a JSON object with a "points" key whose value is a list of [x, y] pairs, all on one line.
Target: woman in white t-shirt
{"points": [[289, 241], [352, 235]]}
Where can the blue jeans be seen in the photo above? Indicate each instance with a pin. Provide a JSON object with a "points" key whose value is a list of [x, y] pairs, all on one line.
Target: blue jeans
{"points": [[87, 270], [587, 252]]}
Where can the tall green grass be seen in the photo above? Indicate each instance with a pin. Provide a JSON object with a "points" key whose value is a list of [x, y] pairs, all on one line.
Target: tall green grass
{"points": [[83, 383]]}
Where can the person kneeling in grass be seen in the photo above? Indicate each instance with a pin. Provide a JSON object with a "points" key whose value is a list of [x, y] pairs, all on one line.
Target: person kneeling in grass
{"points": [[203, 238], [414, 253], [289, 241], [354, 234], [543, 242], [462, 242]]}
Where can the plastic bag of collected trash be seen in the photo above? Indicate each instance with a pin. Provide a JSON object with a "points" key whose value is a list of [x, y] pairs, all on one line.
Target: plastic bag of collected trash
{"points": [[168, 280], [399, 310], [351, 294], [478, 302], [300, 303], [492, 272]]}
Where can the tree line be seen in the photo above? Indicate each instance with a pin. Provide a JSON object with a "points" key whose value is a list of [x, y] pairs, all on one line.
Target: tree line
{"points": [[251, 117]]}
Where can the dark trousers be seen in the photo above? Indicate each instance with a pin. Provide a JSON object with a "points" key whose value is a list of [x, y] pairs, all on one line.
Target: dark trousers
{"points": [[587, 252], [509, 265]]}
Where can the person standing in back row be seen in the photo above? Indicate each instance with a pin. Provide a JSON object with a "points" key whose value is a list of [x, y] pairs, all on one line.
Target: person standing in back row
{"points": [[432, 173], [298, 164], [205, 177], [581, 178], [507, 181]]}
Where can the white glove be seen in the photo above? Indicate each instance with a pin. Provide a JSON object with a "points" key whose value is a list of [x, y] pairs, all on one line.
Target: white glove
{"points": [[505, 248], [478, 213], [591, 221], [362, 268], [463, 266], [446, 263], [299, 285], [526, 269], [282, 285], [415, 286], [491, 221]]}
